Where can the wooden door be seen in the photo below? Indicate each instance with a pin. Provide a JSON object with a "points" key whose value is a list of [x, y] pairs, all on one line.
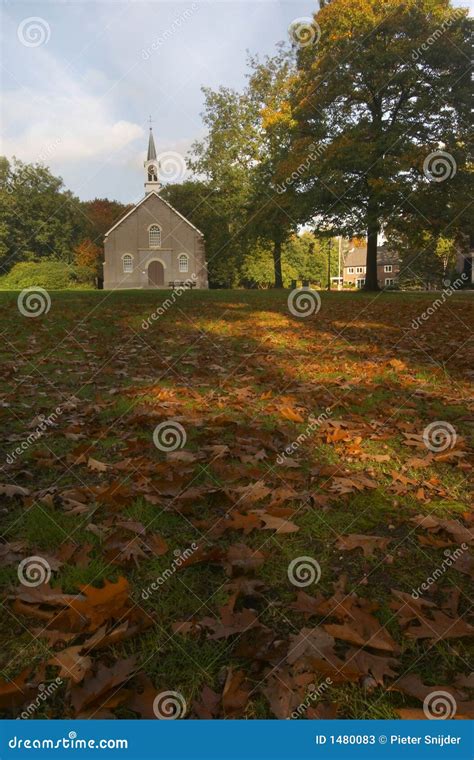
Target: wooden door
{"points": [[156, 274]]}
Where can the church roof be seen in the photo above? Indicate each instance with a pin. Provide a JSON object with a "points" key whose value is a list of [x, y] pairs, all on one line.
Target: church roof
{"points": [[151, 148], [145, 198]]}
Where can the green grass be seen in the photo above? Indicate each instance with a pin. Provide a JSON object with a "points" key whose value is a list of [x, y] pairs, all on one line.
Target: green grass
{"points": [[226, 364]]}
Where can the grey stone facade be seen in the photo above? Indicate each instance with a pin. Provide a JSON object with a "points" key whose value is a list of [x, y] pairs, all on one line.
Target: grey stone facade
{"points": [[131, 237]]}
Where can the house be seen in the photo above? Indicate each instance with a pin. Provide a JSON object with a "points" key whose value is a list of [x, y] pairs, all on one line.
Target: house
{"points": [[388, 267], [153, 245]]}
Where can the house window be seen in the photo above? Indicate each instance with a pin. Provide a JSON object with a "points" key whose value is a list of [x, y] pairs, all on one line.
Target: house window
{"points": [[360, 270], [154, 234], [183, 263], [127, 263], [387, 268], [360, 283], [351, 270], [389, 281]]}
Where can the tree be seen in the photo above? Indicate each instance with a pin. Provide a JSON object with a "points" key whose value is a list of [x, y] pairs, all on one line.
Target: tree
{"points": [[39, 217], [88, 255], [224, 161], [273, 215], [210, 210], [385, 88], [99, 215], [238, 159]]}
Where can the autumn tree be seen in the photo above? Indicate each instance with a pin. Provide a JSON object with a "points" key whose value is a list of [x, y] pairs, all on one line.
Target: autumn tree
{"points": [[383, 88], [98, 216], [88, 255]]}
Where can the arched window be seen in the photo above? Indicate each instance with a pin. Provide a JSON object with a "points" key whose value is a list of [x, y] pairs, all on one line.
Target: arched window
{"points": [[183, 262], [127, 263], [154, 234]]}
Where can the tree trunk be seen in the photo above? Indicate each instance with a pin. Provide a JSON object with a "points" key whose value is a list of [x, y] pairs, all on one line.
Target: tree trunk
{"points": [[371, 280], [277, 263]]}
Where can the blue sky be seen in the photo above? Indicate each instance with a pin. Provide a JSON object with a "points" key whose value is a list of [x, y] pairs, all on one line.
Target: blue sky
{"points": [[79, 79]]}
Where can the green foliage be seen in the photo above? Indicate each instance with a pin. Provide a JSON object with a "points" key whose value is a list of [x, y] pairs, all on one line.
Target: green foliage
{"points": [[238, 158], [52, 275], [375, 119], [39, 218]]}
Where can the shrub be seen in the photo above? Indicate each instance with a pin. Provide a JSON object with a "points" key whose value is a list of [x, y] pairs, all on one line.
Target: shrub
{"points": [[53, 275]]}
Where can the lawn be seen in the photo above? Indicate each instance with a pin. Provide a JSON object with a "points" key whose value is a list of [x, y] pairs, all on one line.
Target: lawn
{"points": [[231, 511]]}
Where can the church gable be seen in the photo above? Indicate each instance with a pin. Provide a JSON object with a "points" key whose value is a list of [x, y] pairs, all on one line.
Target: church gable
{"points": [[179, 217]]}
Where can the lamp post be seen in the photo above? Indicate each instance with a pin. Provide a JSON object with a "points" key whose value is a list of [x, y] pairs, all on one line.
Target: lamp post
{"points": [[329, 263]]}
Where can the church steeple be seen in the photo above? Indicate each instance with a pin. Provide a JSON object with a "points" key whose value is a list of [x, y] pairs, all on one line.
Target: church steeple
{"points": [[151, 165], [151, 147]]}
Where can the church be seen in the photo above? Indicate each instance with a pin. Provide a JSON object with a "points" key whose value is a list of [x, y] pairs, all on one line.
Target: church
{"points": [[153, 245]]}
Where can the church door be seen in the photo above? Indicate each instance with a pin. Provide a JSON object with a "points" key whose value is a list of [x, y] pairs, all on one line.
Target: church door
{"points": [[156, 274]]}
